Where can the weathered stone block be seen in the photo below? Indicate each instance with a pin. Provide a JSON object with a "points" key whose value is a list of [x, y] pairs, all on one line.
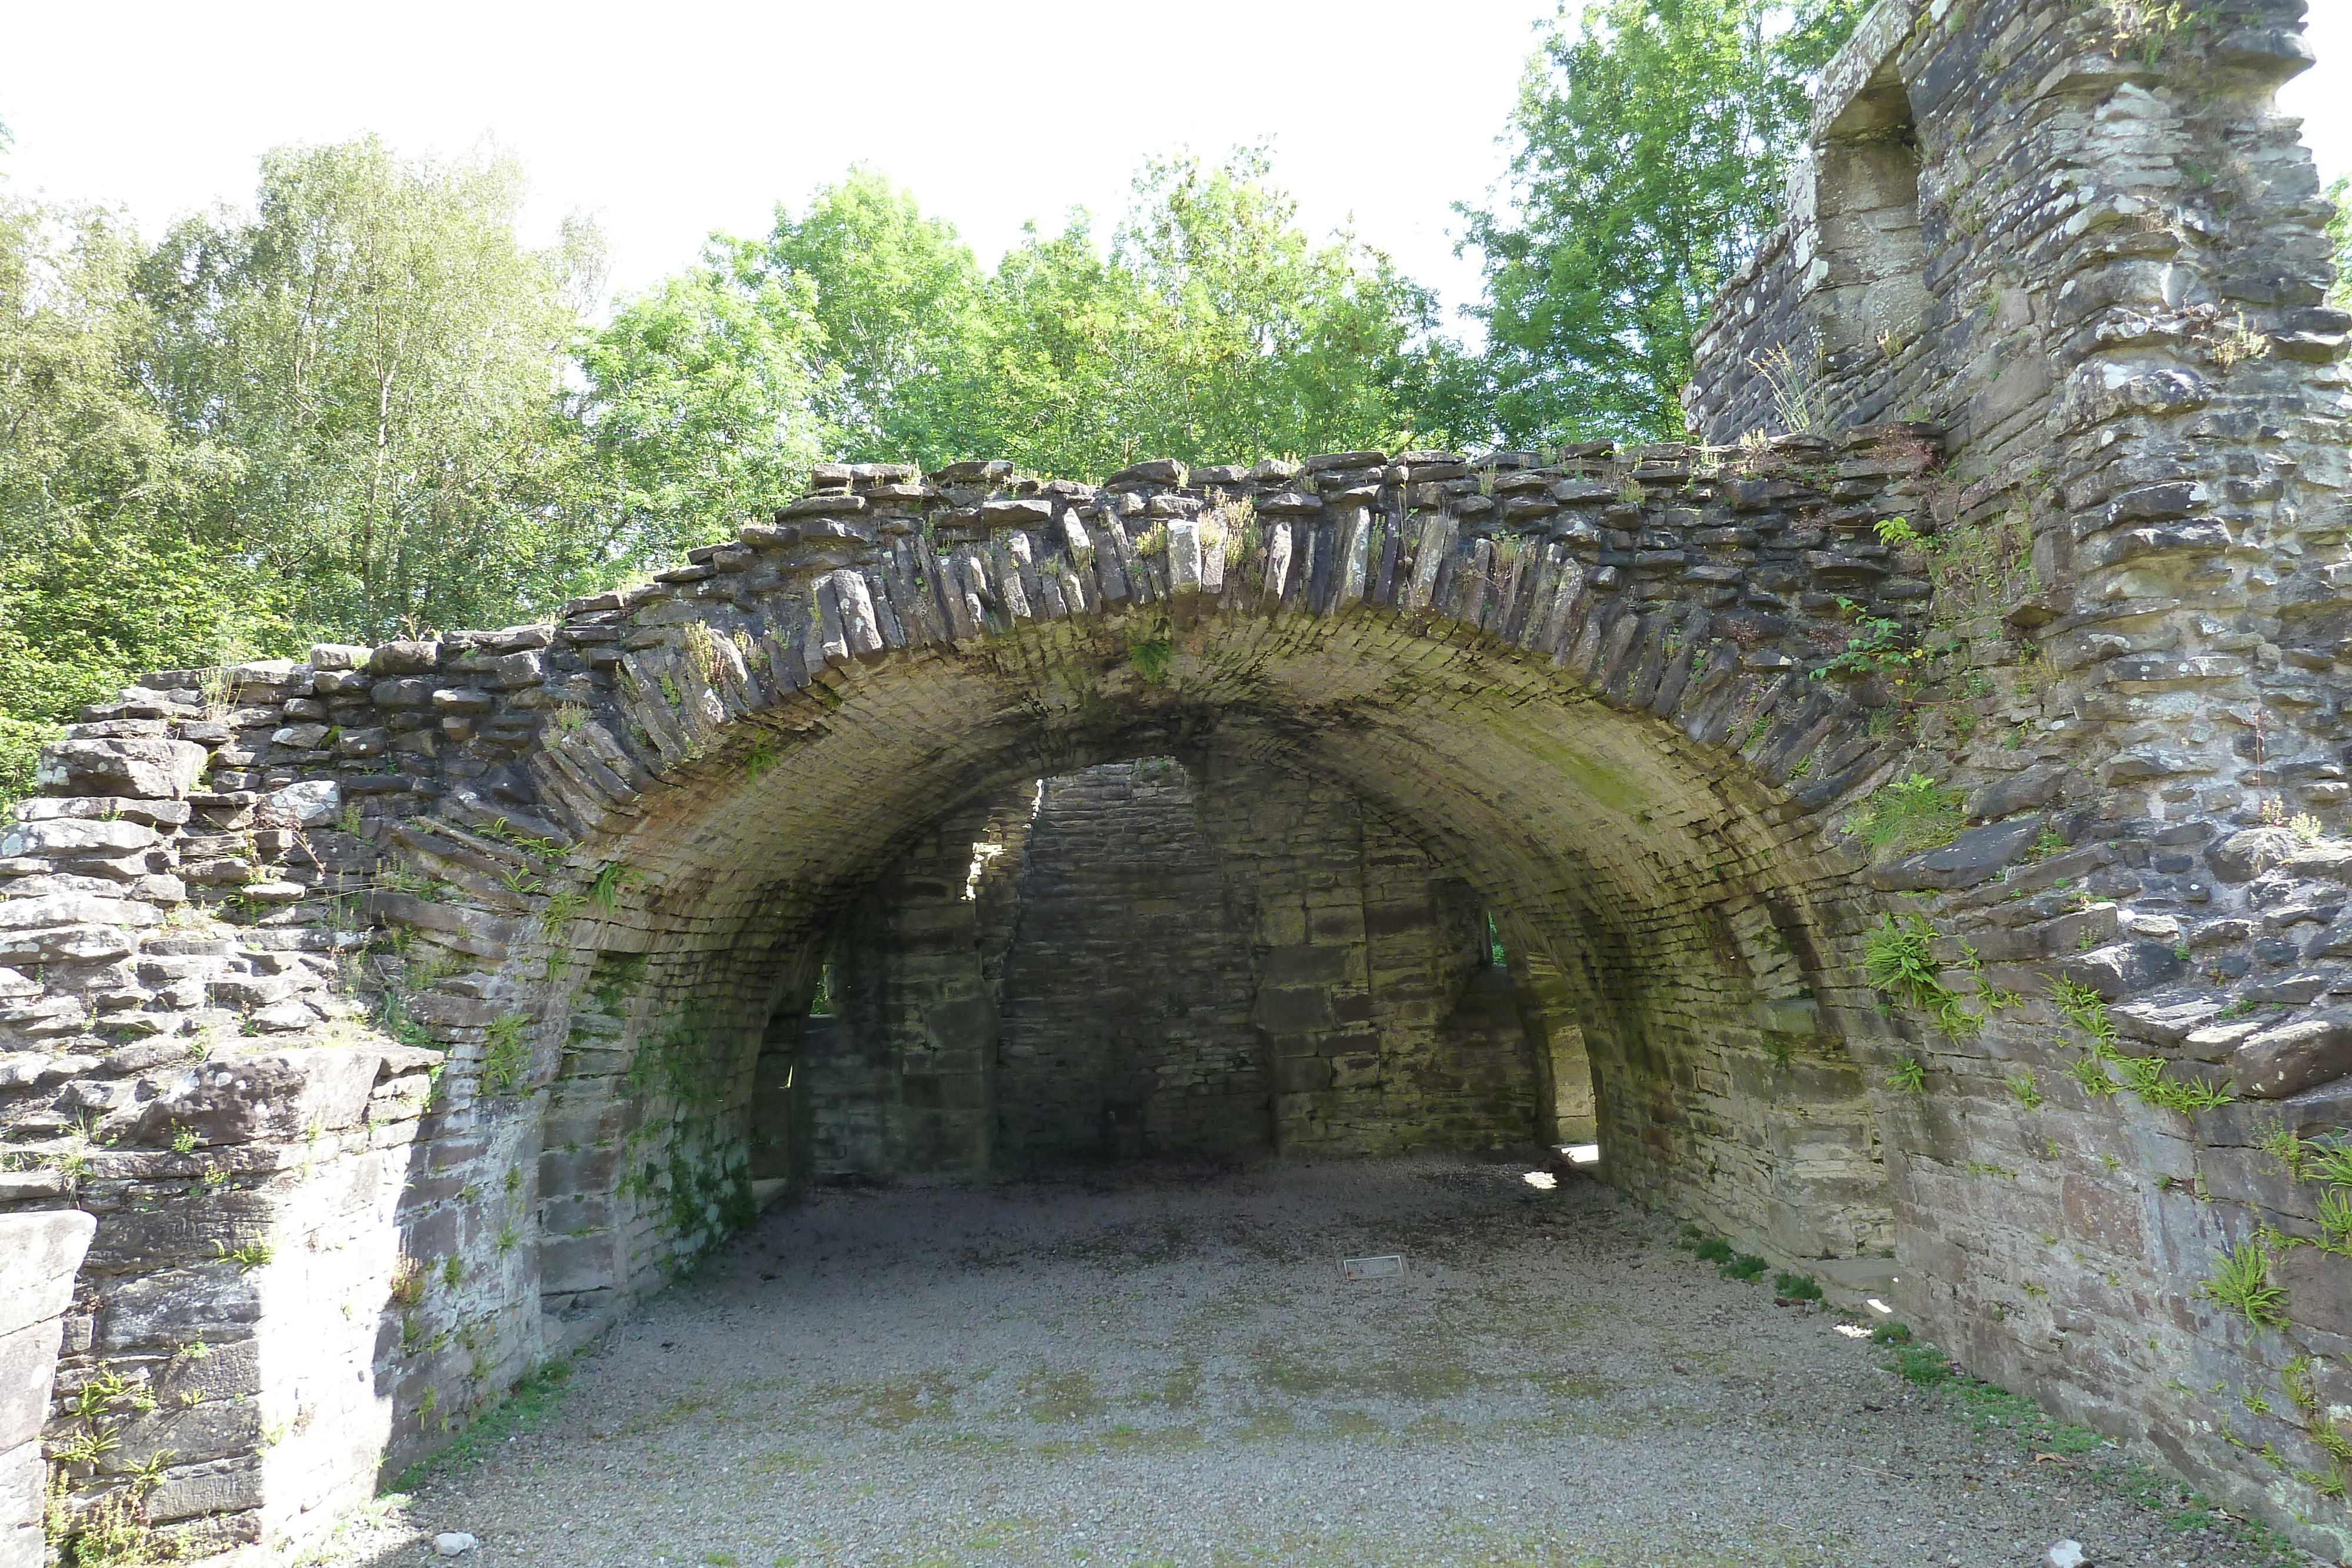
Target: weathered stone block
{"points": [[268, 1096], [39, 1255], [1292, 1009], [74, 909], [224, 1490], [75, 838], [1970, 859], [141, 769], [2294, 1057], [177, 1307]]}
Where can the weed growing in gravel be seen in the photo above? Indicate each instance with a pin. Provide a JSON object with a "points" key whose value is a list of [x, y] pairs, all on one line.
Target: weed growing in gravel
{"points": [[1714, 1249], [1744, 1266], [1988, 1407], [531, 1407], [1797, 1287]]}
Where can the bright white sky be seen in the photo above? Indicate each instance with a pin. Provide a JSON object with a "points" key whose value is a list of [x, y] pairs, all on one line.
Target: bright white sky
{"points": [[667, 121]]}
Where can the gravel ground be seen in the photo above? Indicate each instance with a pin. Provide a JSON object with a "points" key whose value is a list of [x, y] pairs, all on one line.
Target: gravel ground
{"points": [[1164, 1366]]}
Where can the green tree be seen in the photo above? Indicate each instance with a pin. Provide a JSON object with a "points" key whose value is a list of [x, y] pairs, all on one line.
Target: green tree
{"points": [[700, 407], [1652, 140], [1257, 339], [894, 295], [2340, 229], [386, 358], [100, 574], [1208, 327]]}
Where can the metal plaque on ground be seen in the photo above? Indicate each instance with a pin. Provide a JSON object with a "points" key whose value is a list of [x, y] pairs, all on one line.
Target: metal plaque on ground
{"points": [[1388, 1265]]}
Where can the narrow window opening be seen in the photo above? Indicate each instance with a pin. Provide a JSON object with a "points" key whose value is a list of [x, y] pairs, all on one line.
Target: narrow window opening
{"points": [[1869, 304]]}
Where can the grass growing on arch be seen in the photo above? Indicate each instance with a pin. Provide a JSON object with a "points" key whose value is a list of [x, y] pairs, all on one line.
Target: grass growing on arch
{"points": [[2147, 1076], [506, 1055], [1909, 815], [605, 892], [1898, 959], [1150, 657], [2086, 1009]]}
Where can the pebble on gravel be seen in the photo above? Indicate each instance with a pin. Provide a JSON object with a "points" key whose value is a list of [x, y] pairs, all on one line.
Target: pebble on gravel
{"points": [[2066, 1554], [453, 1542]]}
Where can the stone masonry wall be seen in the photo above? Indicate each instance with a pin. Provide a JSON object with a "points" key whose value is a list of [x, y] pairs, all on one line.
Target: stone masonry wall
{"points": [[543, 867], [1165, 941], [1125, 992], [39, 1255], [2137, 543]]}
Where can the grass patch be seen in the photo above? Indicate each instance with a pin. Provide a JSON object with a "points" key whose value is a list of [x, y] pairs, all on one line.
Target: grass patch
{"points": [[1907, 816], [1743, 1265], [2242, 1284], [1923, 1364], [531, 1404], [1797, 1287], [1898, 960], [1150, 658]]}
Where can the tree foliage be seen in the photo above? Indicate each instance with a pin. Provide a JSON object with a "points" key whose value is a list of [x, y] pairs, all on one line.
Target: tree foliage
{"points": [[1651, 146], [703, 404], [2339, 230], [100, 569], [366, 406], [385, 356], [1209, 327]]}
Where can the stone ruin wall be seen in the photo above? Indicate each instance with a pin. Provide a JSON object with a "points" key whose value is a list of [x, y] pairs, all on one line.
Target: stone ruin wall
{"points": [[2114, 307], [1126, 990], [421, 1006]]}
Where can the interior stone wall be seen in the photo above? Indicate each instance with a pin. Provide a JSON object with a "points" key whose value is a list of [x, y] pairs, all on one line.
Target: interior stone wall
{"points": [[1126, 989], [1162, 945]]}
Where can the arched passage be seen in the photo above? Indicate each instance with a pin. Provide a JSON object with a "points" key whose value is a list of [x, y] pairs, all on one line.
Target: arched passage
{"points": [[588, 875], [1679, 910]]}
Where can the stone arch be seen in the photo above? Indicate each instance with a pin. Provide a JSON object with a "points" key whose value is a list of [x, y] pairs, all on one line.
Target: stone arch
{"points": [[1569, 684]]}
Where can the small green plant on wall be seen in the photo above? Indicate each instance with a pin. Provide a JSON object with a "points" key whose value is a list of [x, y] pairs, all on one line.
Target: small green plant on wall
{"points": [[1909, 815], [1149, 657], [1898, 959], [506, 1055], [2241, 1283]]}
